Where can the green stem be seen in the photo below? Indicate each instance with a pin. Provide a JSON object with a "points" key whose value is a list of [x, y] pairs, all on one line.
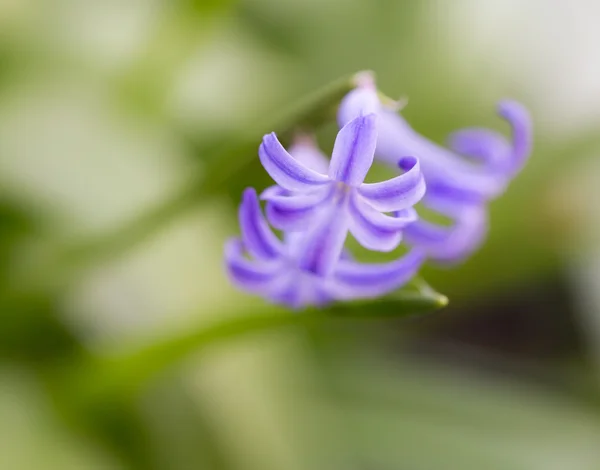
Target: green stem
{"points": [[128, 372], [231, 160]]}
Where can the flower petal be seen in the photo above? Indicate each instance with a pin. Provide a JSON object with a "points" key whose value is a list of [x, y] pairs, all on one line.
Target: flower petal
{"points": [[287, 294], [274, 191], [450, 244], [353, 150], [407, 216], [438, 164], [353, 280], [287, 172], [359, 102], [258, 238], [486, 145], [374, 230], [321, 249], [451, 207], [453, 193], [302, 290], [397, 193], [305, 150], [518, 117], [295, 212], [256, 277]]}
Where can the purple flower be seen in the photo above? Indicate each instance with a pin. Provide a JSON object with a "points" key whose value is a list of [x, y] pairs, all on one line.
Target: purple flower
{"points": [[461, 179], [325, 206], [262, 264]]}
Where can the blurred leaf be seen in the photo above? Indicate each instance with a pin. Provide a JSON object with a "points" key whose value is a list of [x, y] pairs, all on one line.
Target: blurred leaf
{"points": [[184, 434], [32, 439], [15, 225], [273, 30], [207, 7], [119, 426], [31, 330], [184, 26], [437, 419]]}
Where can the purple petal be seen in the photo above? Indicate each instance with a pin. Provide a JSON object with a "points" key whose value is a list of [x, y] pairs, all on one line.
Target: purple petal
{"points": [[481, 144], [374, 230], [305, 150], [453, 193], [353, 150], [258, 238], [324, 242], [397, 193], [451, 207], [520, 121], [296, 212], [285, 170], [407, 216], [353, 280], [256, 277], [288, 297], [302, 290], [438, 164], [286, 292], [450, 244], [359, 102], [274, 191], [321, 294]]}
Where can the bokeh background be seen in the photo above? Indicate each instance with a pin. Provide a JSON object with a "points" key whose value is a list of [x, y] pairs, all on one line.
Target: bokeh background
{"points": [[108, 112]]}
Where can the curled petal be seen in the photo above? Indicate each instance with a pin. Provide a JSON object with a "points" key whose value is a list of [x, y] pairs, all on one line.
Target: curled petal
{"points": [[353, 150], [407, 216], [374, 230], [319, 252], [397, 193], [450, 244], [439, 165], [520, 121], [353, 280], [295, 212], [359, 102], [258, 238], [273, 192], [481, 144], [287, 172], [452, 194], [451, 207], [253, 276]]}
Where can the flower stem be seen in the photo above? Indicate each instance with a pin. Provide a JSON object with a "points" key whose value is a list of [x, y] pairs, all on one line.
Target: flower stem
{"points": [[128, 372], [224, 164]]}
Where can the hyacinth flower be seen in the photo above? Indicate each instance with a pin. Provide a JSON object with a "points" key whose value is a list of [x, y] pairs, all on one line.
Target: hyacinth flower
{"points": [[461, 179], [326, 206], [262, 264]]}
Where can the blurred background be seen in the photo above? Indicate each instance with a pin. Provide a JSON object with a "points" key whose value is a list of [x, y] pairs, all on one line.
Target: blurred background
{"points": [[108, 111]]}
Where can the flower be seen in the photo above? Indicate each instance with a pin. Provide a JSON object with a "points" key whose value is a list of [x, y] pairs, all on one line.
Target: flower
{"points": [[273, 268], [326, 206], [461, 179]]}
